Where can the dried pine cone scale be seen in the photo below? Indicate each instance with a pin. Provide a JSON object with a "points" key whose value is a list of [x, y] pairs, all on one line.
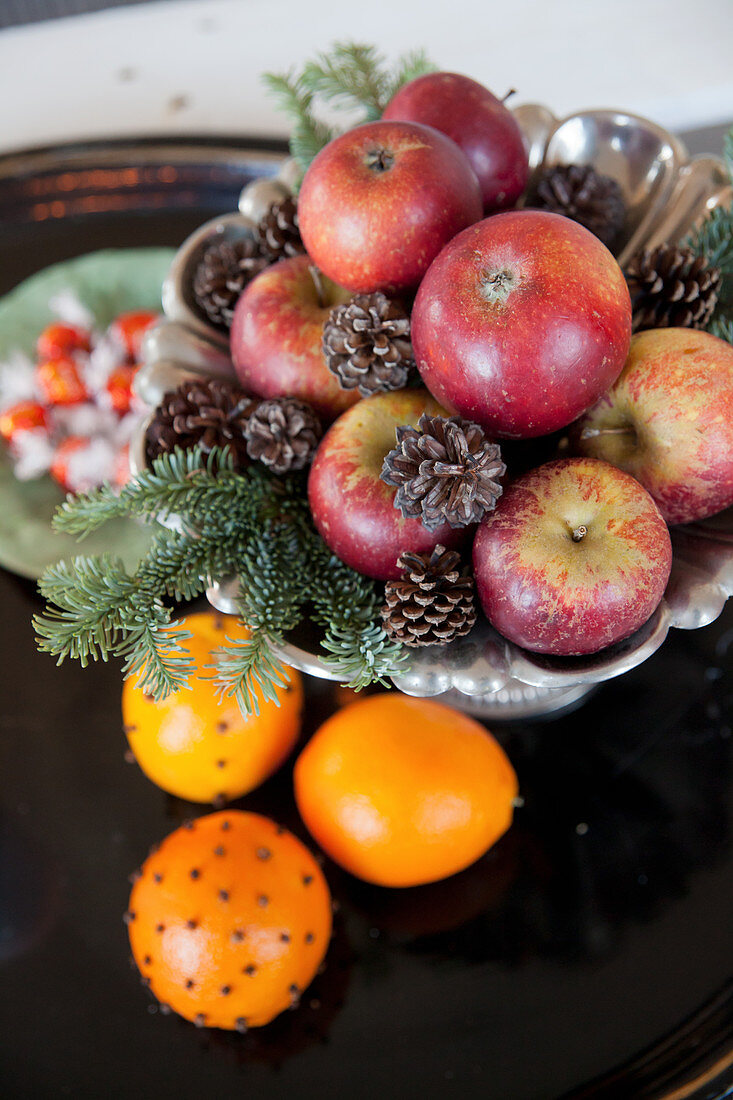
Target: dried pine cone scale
{"points": [[223, 272], [445, 471], [366, 344], [203, 413], [278, 233], [577, 191], [671, 287], [433, 604], [283, 434]]}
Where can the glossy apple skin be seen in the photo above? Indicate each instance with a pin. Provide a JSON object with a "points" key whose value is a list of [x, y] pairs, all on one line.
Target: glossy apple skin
{"points": [[480, 125], [551, 594], [554, 338], [276, 337], [352, 508], [674, 397], [379, 228]]}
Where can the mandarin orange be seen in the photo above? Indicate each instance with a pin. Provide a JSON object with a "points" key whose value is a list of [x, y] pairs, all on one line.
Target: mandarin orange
{"points": [[229, 920], [402, 791], [200, 747]]}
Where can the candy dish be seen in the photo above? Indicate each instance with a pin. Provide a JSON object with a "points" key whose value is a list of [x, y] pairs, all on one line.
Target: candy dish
{"points": [[666, 193]]}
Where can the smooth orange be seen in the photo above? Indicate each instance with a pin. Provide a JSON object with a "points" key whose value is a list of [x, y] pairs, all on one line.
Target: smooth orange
{"points": [[198, 747], [403, 791], [229, 920]]}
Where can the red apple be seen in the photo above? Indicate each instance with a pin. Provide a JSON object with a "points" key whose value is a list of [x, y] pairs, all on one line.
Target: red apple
{"points": [[478, 122], [379, 202], [276, 337], [352, 507], [576, 556], [521, 323], [668, 420]]}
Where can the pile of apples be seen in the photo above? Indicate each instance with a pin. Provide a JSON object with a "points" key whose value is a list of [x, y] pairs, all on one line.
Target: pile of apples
{"points": [[520, 322]]}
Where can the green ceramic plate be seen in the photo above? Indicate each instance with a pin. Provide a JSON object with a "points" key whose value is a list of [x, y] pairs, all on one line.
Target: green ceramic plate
{"points": [[108, 283]]}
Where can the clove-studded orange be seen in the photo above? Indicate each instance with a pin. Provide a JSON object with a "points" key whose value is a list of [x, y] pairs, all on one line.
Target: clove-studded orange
{"points": [[200, 747], [229, 920]]}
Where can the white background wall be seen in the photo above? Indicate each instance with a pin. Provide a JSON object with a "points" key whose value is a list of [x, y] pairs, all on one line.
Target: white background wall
{"points": [[193, 65]]}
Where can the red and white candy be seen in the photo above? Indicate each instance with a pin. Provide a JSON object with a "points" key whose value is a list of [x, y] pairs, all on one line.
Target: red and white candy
{"points": [[72, 412]]}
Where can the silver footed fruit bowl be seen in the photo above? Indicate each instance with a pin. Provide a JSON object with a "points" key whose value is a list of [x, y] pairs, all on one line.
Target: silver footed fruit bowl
{"points": [[666, 194]]}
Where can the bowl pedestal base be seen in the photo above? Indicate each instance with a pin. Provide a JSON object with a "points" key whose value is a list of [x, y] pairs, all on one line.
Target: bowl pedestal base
{"points": [[517, 701]]}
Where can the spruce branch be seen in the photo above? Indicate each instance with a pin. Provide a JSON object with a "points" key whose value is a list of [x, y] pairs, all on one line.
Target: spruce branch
{"points": [[248, 668], [722, 327], [308, 135], [165, 487], [409, 67], [351, 76], [155, 650], [89, 596], [346, 603], [362, 655], [713, 241], [98, 611], [252, 525]]}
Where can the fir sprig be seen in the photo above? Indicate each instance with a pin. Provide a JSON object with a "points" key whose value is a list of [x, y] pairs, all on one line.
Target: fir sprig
{"points": [[722, 327], [713, 242], [358, 77], [714, 239], [251, 525], [97, 610], [352, 77], [308, 135], [249, 667]]}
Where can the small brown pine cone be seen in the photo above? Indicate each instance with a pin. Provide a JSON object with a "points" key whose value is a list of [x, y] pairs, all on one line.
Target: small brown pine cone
{"points": [[366, 344], [283, 433], [207, 413], [671, 287], [221, 275], [278, 233], [445, 471], [579, 192], [433, 604]]}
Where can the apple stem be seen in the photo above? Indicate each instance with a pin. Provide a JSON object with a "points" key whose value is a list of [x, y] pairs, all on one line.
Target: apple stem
{"points": [[510, 93], [318, 284], [379, 160], [579, 532], [593, 433], [496, 286]]}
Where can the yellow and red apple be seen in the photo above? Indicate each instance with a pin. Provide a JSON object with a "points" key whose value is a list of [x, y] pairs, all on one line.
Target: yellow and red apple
{"points": [[575, 557], [668, 420]]}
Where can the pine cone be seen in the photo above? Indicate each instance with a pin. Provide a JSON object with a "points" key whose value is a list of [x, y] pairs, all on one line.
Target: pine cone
{"points": [[366, 344], [283, 433], [581, 193], [206, 413], [432, 605], [222, 274], [671, 287], [445, 470], [278, 233]]}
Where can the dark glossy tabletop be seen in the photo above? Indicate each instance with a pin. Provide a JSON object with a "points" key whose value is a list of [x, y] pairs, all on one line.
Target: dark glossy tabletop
{"points": [[586, 955]]}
